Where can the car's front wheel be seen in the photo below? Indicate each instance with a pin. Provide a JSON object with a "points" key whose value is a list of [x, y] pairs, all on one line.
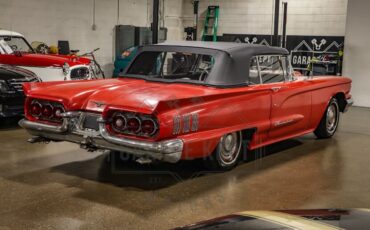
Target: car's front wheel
{"points": [[330, 121], [227, 152]]}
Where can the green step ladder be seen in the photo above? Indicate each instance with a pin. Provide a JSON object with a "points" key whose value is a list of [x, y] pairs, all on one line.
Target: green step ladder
{"points": [[211, 24]]}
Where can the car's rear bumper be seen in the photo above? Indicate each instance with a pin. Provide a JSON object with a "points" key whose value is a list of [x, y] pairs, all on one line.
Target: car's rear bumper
{"points": [[11, 105], [168, 151]]}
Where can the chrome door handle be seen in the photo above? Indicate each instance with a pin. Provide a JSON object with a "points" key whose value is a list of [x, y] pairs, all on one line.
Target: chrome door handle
{"points": [[276, 88]]}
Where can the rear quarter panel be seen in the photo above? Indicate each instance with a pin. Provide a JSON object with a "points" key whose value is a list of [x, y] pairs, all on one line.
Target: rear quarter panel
{"points": [[323, 90], [228, 111]]}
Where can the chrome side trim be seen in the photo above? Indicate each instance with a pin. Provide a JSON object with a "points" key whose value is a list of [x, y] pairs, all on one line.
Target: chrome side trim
{"points": [[186, 123], [194, 122], [283, 123], [176, 124]]}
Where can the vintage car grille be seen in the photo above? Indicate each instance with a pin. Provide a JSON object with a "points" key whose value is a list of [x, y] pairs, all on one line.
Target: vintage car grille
{"points": [[89, 121], [16, 84]]}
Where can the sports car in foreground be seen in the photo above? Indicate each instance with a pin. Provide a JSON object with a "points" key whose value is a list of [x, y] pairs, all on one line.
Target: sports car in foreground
{"points": [[321, 219], [187, 100]]}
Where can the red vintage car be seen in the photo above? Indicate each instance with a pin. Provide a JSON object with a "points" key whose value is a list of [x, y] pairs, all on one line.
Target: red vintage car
{"points": [[188, 100], [16, 51]]}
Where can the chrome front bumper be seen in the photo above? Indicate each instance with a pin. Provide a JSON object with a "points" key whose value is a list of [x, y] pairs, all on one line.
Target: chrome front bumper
{"points": [[349, 103], [69, 130]]}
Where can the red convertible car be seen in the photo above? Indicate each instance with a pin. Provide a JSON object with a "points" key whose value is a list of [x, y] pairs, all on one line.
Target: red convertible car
{"points": [[188, 100]]}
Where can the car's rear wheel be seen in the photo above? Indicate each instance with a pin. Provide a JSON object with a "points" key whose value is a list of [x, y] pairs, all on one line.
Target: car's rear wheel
{"points": [[227, 152], [330, 121]]}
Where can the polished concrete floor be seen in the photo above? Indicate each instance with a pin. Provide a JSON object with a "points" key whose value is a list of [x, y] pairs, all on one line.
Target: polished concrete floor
{"points": [[59, 186]]}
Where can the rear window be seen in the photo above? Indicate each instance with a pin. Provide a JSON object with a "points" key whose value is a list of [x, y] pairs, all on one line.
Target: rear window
{"points": [[172, 66]]}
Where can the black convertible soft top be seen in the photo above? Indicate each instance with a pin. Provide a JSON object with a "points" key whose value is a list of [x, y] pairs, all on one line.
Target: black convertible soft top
{"points": [[228, 47], [232, 60]]}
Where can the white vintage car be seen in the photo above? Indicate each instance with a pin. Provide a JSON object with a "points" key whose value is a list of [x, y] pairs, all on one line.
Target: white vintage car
{"points": [[16, 51]]}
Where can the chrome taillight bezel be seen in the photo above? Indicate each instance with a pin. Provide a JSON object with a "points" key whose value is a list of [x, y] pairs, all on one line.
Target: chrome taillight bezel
{"points": [[51, 109], [43, 104], [140, 119], [114, 126], [35, 102], [138, 129], [155, 125]]}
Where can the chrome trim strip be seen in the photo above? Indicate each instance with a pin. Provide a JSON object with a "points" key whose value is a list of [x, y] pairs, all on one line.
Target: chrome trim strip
{"points": [[71, 114], [283, 123], [176, 124], [194, 122], [186, 121]]}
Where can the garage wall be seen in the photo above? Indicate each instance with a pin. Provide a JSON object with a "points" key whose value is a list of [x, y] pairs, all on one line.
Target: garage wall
{"points": [[357, 50], [45, 20], [306, 17]]}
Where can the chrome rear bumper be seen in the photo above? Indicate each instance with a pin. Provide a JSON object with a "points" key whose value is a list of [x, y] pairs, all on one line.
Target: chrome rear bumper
{"points": [[168, 151]]}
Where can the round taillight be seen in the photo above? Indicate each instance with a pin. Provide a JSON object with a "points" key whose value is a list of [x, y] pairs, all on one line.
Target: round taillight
{"points": [[47, 111], [133, 125], [36, 109], [148, 127], [119, 122], [57, 112]]}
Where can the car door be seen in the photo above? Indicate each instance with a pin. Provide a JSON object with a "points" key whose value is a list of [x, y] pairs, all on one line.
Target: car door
{"points": [[290, 99]]}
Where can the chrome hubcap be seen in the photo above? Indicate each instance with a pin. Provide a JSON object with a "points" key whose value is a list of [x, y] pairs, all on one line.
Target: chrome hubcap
{"points": [[230, 148], [332, 118]]}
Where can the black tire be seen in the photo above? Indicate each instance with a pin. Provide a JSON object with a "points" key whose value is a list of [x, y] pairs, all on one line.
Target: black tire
{"points": [[227, 153], [330, 121]]}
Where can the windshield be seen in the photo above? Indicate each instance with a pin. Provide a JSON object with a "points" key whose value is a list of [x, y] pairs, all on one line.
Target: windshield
{"points": [[9, 45], [177, 66]]}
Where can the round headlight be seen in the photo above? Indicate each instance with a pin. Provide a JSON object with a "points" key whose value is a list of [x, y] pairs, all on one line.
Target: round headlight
{"points": [[83, 73]]}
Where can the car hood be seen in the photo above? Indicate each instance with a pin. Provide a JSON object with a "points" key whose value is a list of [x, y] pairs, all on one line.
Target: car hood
{"points": [[129, 94], [45, 60], [12, 72]]}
